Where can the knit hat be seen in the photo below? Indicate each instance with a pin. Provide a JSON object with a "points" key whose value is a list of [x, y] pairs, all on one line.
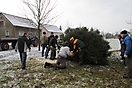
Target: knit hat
{"points": [[56, 36], [44, 32], [124, 32]]}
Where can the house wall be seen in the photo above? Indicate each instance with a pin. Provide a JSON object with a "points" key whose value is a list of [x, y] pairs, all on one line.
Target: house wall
{"points": [[20, 30], [14, 31], [44, 30], [7, 26], [49, 32]]}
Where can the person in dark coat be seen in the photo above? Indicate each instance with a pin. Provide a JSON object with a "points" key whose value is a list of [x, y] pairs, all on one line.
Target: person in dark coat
{"points": [[78, 46], [127, 40], [52, 44], [48, 47], [22, 45], [122, 50]]}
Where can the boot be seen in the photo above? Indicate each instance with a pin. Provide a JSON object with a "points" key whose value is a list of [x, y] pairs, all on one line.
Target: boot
{"points": [[56, 67], [46, 64]]}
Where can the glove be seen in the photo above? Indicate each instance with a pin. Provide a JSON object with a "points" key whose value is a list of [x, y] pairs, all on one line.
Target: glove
{"points": [[15, 50], [71, 53], [125, 56], [47, 46], [29, 50], [51, 46]]}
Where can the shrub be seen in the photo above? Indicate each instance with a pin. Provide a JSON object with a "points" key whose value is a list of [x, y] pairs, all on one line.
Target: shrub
{"points": [[97, 47]]}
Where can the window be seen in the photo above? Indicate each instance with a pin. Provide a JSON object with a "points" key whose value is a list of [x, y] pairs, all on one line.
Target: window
{"points": [[1, 23], [7, 33], [20, 33], [30, 34]]}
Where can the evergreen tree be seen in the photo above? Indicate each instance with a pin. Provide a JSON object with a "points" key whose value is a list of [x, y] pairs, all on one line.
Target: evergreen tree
{"points": [[97, 47]]}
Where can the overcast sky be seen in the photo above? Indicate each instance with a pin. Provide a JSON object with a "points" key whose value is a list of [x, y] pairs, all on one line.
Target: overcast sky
{"points": [[105, 15]]}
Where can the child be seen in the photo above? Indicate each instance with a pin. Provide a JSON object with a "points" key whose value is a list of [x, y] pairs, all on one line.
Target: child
{"points": [[61, 59]]}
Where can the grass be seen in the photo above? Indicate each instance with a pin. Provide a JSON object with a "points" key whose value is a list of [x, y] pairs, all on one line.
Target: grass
{"points": [[88, 76]]}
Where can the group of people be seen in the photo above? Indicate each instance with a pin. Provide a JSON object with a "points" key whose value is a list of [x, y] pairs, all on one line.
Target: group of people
{"points": [[50, 43], [61, 59], [126, 51], [78, 46]]}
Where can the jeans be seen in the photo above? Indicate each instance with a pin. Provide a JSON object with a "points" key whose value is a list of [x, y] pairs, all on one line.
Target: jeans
{"points": [[43, 48], [23, 57]]}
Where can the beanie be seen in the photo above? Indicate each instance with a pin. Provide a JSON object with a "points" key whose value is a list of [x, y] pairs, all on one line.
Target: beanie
{"points": [[44, 32], [124, 32]]}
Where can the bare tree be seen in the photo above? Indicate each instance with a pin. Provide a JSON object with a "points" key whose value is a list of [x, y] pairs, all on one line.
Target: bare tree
{"points": [[40, 10]]}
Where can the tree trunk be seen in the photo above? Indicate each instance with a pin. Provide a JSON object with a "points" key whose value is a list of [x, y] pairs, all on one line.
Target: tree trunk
{"points": [[39, 36]]}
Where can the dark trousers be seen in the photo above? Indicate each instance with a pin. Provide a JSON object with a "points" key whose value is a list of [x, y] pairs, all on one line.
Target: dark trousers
{"points": [[129, 66], [81, 56], [43, 48], [124, 60], [60, 64], [47, 51], [53, 53], [23, 57]]}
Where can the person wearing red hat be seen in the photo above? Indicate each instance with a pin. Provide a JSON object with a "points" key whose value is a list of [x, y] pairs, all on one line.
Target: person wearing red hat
{"points": [[79, 46]]}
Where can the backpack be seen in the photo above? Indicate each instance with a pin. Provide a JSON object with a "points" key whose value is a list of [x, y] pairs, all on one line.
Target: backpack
{"points": [[52, 41]]}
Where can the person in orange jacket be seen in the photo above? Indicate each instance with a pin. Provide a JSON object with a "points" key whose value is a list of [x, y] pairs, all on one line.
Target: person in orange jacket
{"points": [[79, 46]]}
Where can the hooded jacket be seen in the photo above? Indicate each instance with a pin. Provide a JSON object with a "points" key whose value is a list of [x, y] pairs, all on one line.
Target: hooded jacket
{"points": [[127, 40]]}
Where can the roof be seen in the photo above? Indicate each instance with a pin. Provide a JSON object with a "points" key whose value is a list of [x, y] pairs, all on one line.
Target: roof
{"points": [[52, 28], [19, 21]]}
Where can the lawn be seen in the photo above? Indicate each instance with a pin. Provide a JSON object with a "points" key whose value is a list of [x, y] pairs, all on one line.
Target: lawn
{"points": [[87, 76]]}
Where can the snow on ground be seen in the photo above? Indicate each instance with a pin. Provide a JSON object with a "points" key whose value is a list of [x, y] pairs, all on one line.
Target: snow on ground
{"points": [[7, 56], [13, 55]]}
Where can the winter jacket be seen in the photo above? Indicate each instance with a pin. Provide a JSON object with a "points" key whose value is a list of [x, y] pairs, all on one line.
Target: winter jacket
{"points": [[127, 40], [22, 44], [53, 42], [43, 40], [78, 44], [51, 36], [64, 51]]}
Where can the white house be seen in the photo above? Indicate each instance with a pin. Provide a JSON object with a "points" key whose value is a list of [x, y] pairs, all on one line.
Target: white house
{"points": [[51, 28]]}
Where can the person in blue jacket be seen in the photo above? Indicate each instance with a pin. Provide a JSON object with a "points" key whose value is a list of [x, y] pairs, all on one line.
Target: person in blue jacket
{"points": [[127, 41]]}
